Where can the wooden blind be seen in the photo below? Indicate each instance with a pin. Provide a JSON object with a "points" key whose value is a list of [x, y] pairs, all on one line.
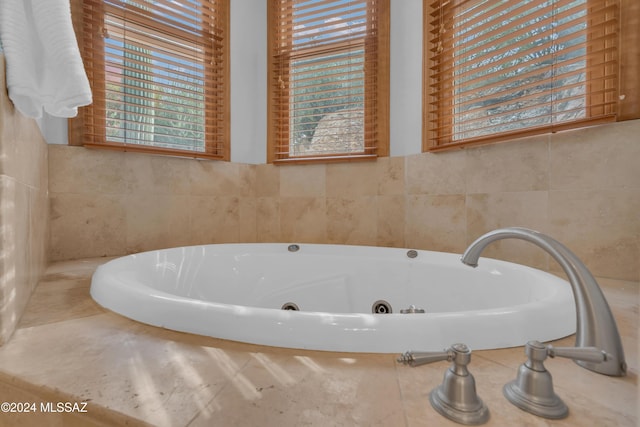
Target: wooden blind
{"points": [[159, 73], [328, 79], [503, 69]]}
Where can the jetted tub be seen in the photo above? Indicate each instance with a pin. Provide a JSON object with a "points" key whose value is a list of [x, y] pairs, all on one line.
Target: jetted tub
{"points": [[250, 293]]}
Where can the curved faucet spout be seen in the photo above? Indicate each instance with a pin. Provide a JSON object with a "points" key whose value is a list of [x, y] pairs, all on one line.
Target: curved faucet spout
{"points": [[595, 325]]}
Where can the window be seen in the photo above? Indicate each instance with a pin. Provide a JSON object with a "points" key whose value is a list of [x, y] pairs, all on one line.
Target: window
{"points": [[503, 69], [328, 79], [159, 74]]}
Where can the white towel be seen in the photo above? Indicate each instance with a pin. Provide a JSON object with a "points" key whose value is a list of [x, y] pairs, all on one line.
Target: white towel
{"points": [[44, 67]]}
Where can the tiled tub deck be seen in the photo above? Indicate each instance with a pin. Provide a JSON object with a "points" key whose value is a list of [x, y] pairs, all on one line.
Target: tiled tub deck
{"points": [[68, 349]]}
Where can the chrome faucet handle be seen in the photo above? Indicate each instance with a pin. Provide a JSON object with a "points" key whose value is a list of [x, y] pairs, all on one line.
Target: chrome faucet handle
{"points": [[537, 352], [532, 390], [417, 358], [586, 354], [456, 397]]}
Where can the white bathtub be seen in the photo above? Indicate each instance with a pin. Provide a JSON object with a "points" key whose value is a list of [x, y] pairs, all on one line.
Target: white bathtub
{"points": [[236, 292]]}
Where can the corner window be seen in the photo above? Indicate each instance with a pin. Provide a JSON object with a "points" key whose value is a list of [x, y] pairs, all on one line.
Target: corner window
{"points": [[504, 69], [159, 74], [328, 79]]}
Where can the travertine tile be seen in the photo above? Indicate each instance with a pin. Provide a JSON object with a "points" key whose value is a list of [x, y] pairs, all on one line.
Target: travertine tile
{"points": [[214, 220], [156, 221], [14, 390], [303, 219], [214, 178], [486, 212], [521, 165], [25, 151], [268, 219], [73, 269], [390, 175], [303, 181], [391, 221], [10, 214], [85, 225], [7, 131], [596, 158], [601, 227], [57, 299], [163, 175], [267, 180], [24, 209], [436, 174], [436, 223], [352, 220], [22, 147], [300, 389], [143, 371], [247, 220], [39, 232], [503, 174], [81, 170], [247, 180], [16, 277], [357, 179]]}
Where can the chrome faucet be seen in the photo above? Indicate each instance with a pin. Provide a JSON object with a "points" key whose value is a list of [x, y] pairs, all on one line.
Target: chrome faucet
{"points": [[456, 398], [595, 324]]}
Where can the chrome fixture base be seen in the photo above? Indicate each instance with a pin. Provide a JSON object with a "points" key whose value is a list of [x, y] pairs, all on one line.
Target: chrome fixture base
{"points": [[532, 390], [456, 397], [595, 324], [474, 412], [550, 406]]}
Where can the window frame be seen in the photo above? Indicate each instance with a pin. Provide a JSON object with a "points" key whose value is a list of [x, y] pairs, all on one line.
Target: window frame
{"points": [[432, 106], [379, 126], [217, 146]]}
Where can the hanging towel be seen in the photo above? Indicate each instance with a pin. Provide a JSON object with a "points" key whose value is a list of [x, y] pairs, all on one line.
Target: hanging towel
{"points": [[44, 67]]}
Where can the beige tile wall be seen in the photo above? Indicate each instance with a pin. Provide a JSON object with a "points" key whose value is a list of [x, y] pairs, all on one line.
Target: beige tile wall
{"points": [[24, 210], [581, 187]]}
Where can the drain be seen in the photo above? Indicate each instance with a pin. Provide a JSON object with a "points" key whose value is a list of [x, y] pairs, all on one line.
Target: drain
{"points": [[412, 253], [293, 248], [381, 307], [290, 306]]}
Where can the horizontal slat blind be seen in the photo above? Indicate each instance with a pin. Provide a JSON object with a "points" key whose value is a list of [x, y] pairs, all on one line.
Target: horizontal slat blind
{"points": [[158, 69], [324, 79], [514, 68]]}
